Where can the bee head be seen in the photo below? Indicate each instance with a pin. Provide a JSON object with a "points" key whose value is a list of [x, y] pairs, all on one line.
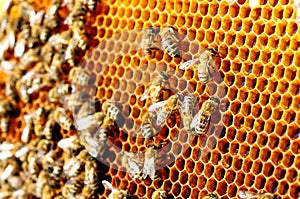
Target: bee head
{"points": [[213, 52]]}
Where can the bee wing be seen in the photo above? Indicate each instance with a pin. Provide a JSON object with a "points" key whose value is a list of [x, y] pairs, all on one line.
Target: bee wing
{"points": [[247, 194], [107, 185], [146, 94], [187, 64], [160, 111], [149, 168], [195, 120]]}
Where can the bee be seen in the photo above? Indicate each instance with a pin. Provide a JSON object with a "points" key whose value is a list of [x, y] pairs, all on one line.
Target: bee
{"points": [[79, 77], [253, 195], [73, 167], [48, 192], [148, 40], [115, 193], [200, 122], [61, 117], [146, 128], [73, 187], [57, 170], [59, 91], [11, 169], [48, 129], [111, 110], [169, 41], [71, 146], [22, 91], [41, 182], [79, 39], [149, 163], [55, 69], [6, 111], [70, 55], [93, 146], [161, 110], [28, 129], [36, 19], [186, 107], [60, 41], [30, 57], [91, 4], [210, 196], [91, 179], [203, 64], [159, 194], [132, 164], [156, 88]]}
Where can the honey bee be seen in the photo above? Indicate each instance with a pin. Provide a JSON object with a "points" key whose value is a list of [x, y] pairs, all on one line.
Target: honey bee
{"points": [[200, 122], [93, 146], [87, 108], [48, 192], [149, 163], [186, 109], [63, 119], [148, 40], [132, 164], [79, 77], [30, 57], [60, 41], [22, 91], [41, 181], [156, 88], [253, 195], [59, 91], [54, 70], [79, 39], [91, 179], [73, 187], [169, 41], [210, 196], [6, 111], [36, 19], [70, 55], [48, 129], [111, 110], [57, 170], [91, 4], [73, 167], [115, 193], [203, 64], [146, 128], [159, 194], [161, 110], [10, 169], [71, 146], [28, 129]]}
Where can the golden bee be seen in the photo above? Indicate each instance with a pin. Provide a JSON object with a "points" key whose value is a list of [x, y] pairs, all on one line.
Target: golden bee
{"points": [[91, 179], [59, 91], [91, 143], [28, 129], [6, 111], [253, 195], [63, 119], [201, 120], [30, 57], [111, 110], [210, 196], [148, 40], [156, 88], [91, 120], [186, 107], [41, 181], [79, 39], [22, 91], [70, 55], [149, 163], [73, 167], [115, 193], [55, 69], [91, 4], [36, 20], [203, 64], [79, 77], [57, 170], [132, 163], [87, 108], [169, 41], [159, 194], [39, 120], [161, 110], [147, 128], [73, 187]]}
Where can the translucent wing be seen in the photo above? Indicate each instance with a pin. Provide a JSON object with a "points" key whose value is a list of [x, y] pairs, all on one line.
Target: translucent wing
{"points": [[187, 64], [146, 93], [149, 168], [159, 109], [247, 194]]}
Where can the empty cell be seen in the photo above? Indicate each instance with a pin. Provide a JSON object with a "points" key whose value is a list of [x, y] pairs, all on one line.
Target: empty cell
{"points": [[221, 188], [230, 176], [275, 99], [216, 23], [255, 13], [237, 164], [202, 182], [190, 164], [291, 175], [174, 175], [234, 148], [258, 28], [211, 185], [226, 24], [231, 133], [180, 163], [253, 95], [219, 173], [240, 178], [186, 191], [272, 185], [280, 128], [244, 150], [260, 182], [277, 114], [265, 154], [288, 159], [279, 173], [203, 8], [289, 116], [280, 29], [294, 190], [183, 178], [276, 157], [245, 11], [267, 12], [232, 190], [283, 188], [206, 23], [249, 180]]}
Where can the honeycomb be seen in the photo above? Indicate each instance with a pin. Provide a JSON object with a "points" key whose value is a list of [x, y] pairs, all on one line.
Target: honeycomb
{"points": [[253, 140]]}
